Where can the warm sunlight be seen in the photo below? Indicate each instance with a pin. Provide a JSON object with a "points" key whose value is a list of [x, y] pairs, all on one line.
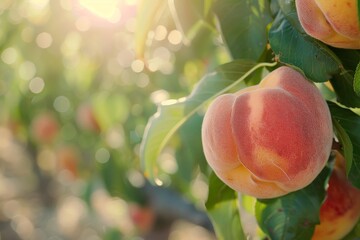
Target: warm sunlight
{"points": [[109, 10]]}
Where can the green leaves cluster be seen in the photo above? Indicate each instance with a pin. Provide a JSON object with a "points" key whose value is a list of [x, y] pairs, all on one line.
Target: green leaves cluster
{"points": [[347, 127], [255, 33], [242, 40]]}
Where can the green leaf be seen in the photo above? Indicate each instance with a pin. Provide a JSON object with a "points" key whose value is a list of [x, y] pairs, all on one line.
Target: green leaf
{"points": [[294, 215], [344, 89], [110, 108], [190, 154], [231, 72], [112, 234], [288, 8], [173, 113], [349, 58], [190, 16], [344, 83], [222, 206], [186, 13], [347, 126], [243, 25], [292, 47], [346, 144], [113, 173], [147, 16], [357, 80], [207, 6]]}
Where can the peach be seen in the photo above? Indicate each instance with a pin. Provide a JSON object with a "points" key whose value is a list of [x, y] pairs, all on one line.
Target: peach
{"points": [[86, 119], [334, 22], [143, 217], [270, 139], [44, 127], [341, 208], [68, 158]]}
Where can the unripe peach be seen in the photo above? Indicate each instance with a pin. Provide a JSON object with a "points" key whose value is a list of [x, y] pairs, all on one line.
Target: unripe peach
{"points": [[270, 139], [334, 22], [341, 209], [44, 127]]}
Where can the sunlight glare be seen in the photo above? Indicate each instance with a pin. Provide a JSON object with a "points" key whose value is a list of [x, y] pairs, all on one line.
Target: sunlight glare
{"points": [[106, 9]]}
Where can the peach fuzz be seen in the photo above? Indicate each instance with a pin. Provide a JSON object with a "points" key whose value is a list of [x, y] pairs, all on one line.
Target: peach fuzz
{"points": [[341, 208], [270, 139], [334, 22]]}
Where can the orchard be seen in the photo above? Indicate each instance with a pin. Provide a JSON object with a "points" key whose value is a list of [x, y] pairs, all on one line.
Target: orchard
{"points": [[181, 119]]}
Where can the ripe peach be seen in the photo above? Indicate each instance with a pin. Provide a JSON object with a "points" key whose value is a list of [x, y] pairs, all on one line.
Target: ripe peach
{"points": [[45, 127], [334, 22], [270, 139], [86, 119], [341, 209]]}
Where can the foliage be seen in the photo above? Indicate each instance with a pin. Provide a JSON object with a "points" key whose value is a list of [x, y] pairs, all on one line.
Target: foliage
{"points": [[171, 115], [347, 124], [246, 27], [222, 205], [294, 215], [143, 73]]}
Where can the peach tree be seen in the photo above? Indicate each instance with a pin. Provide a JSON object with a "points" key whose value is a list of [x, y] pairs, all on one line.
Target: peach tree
{"points": [[238, 43]]}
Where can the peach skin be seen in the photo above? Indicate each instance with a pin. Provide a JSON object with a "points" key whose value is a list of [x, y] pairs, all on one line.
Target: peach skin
{"points": [[270, 139], [334, 22], [341, 208]]}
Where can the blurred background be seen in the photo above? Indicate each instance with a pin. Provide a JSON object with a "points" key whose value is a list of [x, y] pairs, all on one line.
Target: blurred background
{"points": [[75, 97]]}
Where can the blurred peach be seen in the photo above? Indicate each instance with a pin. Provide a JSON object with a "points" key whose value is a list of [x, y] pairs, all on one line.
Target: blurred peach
{"points": [[44, 128], [68, 158], [86, 119], [143, 217]]}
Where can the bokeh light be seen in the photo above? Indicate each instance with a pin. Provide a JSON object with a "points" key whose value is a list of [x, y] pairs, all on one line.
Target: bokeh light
{"points": [[175, 37], [44, 40], [36, 85], [27, 70], [62, 104], [102, 155], [108, 9], [9, 55], [77, 174]]}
